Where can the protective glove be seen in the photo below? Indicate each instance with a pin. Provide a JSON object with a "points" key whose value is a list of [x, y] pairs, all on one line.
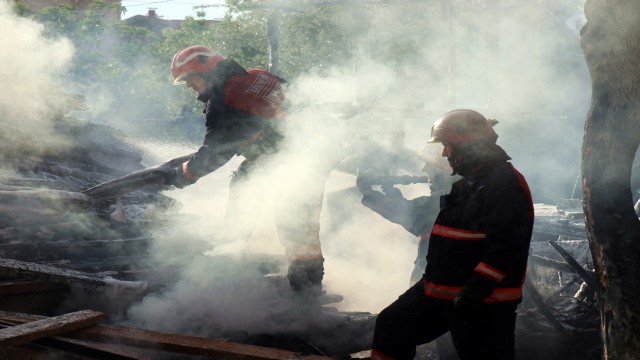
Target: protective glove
{"points": [[305, 275], [392, 191], [363, 182], [176, 178], [469, 305]]}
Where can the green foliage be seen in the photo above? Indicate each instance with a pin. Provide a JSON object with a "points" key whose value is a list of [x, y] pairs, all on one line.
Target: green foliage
{"points": [[132, 63], [314, 35], [21, 8]]}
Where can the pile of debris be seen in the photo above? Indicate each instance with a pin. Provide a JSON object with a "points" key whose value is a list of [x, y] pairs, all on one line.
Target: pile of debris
{"points": [[80, 335], [64, 249], [559, 316]]}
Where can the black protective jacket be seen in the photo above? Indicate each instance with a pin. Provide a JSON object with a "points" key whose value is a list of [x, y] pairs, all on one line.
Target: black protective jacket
{"points": [[241, 114], [481, 236]]}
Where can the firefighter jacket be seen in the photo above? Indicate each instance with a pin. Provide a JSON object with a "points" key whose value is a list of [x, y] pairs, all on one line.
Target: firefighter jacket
{"points": [[481, 236], [240, 112]]}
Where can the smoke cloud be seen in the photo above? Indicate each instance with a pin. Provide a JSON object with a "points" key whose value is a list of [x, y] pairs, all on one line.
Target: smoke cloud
{"points": [[32, 70], [520, 64]]}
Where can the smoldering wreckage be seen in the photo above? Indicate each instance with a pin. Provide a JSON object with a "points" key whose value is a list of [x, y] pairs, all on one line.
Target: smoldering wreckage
{"points": [[75, 245]]}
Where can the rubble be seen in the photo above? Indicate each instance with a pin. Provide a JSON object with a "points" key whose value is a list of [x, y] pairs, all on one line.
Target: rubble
{"points": [[62, 251], [80, 333], [559, 317]]}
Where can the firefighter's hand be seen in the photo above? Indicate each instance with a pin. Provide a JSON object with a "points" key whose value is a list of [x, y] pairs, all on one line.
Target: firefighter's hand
{"points": [[363, 182], [469, 306], [305, 275], [392, 191], [176, 178]]}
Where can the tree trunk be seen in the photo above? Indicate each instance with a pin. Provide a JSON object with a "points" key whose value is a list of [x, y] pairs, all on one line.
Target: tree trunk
{"points": [[611, 44]]}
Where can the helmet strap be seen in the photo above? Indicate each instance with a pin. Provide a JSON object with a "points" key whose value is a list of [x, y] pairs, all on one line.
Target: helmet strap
{"points": [[471, 158], [455, 161]]}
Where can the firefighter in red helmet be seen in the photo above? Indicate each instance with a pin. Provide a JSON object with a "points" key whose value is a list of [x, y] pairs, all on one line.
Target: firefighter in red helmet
{"points": [[477, 255], [241, 114]]}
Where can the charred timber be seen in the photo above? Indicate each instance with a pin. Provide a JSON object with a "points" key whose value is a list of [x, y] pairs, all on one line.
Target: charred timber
{"points": [[135, 180], [16, 268], [47, 327], [101, 336], [571, 262]]}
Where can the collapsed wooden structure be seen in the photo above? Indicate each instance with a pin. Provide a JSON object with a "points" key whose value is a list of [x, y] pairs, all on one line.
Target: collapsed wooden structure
{"points": [[80, 333], [68, 271], [30, 288]]}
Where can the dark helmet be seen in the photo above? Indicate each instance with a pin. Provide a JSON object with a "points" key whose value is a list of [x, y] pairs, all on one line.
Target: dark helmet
{"points": [[193, 59], [462, 127]]}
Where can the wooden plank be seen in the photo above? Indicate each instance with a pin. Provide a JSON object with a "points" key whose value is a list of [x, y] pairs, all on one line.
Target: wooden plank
{"points": [[95, 350], [31, 351], [542, 306], [554, 264], [582, 272], [17, 318], [17, 268], [135, 180], [47, 327], [30, 250], [182, 344], [65, 346], [27, 287]]}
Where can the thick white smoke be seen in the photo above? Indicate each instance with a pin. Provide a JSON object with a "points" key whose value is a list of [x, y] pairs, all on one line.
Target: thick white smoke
{"points": [[31, 69], [520, 66]]}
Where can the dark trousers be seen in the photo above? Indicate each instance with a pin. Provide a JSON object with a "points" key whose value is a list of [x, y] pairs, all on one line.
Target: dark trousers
{"points": [[415, 319]]}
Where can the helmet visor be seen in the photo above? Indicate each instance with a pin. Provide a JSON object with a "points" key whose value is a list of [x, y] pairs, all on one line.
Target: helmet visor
{"points": [[182, 79]]}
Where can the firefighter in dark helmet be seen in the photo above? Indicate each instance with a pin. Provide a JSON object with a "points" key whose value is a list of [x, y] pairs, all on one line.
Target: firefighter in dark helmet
{"points": [[477, 255]]}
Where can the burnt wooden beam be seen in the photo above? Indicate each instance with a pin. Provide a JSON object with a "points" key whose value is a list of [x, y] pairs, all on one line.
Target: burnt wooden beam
{"points": [[60, 348], [65, 347], [33, 296], [22, 287], [181, 344], [102, 264], [554, 264], [47, 327], [564, 287], [16, 268], [189, 345], [31, 351], [584, 274], [91, 349], [33, 250], [542, 306], [135, 180]]}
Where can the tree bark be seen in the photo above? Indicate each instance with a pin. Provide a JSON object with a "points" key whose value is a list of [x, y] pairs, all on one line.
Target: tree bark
{"points": [[611, 45]]}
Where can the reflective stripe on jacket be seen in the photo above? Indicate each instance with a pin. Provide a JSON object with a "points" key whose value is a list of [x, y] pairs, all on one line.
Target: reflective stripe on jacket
{"points": [[445, 292], [481, 237]]}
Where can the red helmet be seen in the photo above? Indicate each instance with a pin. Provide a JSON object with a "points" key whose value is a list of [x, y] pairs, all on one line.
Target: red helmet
{"points": [[193, 59], [462, 127]]}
